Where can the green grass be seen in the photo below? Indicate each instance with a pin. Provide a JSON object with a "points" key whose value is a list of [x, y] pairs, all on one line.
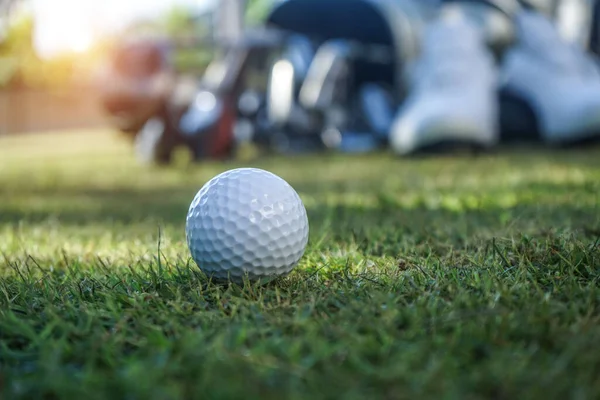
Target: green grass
{"points": [[453, 277]]}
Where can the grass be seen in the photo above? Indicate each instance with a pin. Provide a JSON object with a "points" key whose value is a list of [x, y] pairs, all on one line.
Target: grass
{"points": [[454, 277]]}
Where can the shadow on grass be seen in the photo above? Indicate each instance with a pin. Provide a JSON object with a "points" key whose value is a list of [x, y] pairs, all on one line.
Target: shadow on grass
{"points": [[360, 213]]}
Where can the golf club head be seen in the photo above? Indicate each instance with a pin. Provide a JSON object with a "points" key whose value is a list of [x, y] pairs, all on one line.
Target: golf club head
{"points": [[207, 126], [285, 79], [250, 103], [201, 115], [327, 78], [377, 108]]}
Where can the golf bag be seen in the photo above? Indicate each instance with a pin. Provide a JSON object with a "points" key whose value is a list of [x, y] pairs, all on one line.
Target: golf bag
{"points": [[334, 71], [344, 71], [339, 77], [227, 109]]}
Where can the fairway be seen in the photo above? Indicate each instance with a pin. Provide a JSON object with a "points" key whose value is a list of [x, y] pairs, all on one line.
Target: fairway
{"points": [[456, 277]]}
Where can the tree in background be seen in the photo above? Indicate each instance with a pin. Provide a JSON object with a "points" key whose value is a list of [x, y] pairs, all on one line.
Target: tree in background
{"points": [[21, 67], [9, 62], [17, 58], [184, 22], [7, 10], [258, 10]]}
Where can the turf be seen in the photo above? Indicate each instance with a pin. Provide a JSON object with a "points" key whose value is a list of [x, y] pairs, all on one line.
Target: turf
{"points": [[453, 277]]}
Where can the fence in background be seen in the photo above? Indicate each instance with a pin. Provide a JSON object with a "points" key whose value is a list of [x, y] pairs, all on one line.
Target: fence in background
{"points": [[23, 111]]}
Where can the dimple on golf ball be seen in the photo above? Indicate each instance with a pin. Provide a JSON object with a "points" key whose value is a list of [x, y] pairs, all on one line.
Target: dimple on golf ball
{"points": [[246, 222]]}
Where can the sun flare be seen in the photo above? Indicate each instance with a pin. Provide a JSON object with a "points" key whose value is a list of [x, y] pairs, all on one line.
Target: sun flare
{"points": [[63, 26]]}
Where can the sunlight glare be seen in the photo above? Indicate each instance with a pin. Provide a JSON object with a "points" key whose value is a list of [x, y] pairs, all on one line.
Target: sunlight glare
{"points": [[63, 26]]}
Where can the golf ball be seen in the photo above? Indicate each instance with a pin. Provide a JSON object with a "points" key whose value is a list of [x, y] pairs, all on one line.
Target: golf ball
{"points": [[246, 222]]}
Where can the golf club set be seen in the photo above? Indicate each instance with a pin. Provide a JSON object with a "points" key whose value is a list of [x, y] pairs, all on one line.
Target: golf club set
{"points": [[360, 75]]}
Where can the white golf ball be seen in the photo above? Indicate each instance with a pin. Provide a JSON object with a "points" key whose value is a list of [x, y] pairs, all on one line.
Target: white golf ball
{"points": [[246, 222]]}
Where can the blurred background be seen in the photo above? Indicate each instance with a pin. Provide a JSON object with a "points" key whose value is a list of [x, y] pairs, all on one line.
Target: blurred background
{"points": [[299, 76], [210, 75], [53, 53]]}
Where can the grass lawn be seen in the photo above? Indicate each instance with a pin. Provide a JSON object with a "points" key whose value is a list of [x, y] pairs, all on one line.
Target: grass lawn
{"points": [[452, 277]]}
